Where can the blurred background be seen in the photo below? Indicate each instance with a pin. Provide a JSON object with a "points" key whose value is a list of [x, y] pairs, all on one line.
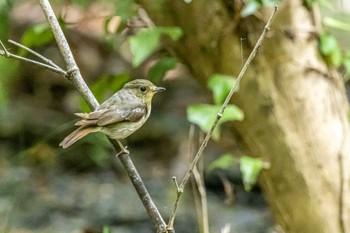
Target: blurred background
{"points": [[44, 188]]}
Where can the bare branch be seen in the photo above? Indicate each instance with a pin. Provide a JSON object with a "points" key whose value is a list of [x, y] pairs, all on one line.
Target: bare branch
{"points": [[198, 187], [175, 182], [75, 75], [47, 61], [203, 203], [4, 52], [78, 81], [219, 115]]}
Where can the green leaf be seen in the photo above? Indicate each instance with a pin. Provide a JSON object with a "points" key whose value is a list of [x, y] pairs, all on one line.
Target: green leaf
{"points": [[106, 229], [330, 49], [144, 44], [125, 9], [221, 86], [204, 116], [328, 43], [225, 161], [250, 169], [37, 35], [336, 58], [173, 32], [157, 71]]}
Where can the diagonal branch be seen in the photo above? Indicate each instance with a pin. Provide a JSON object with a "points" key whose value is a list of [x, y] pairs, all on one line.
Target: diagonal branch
{"points": [[74, 75], [73, 70], [180, 188], [78, 81]]}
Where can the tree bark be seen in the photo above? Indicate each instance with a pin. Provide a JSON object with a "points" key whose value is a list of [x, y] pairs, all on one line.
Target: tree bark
{"points": [[295, 106]]}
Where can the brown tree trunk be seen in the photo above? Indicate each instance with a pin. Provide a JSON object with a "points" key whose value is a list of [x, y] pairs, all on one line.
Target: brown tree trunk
{"points": [[295, 107]]}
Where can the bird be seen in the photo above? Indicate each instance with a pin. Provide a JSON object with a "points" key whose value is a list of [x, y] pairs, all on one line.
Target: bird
{"points": [[120, 115]]}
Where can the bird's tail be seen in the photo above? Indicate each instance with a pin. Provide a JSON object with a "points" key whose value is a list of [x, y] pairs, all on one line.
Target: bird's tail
{"points": [[77, 134]]}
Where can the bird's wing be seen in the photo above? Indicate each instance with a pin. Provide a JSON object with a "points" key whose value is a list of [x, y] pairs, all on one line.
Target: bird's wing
{"points": [[113, 114]]}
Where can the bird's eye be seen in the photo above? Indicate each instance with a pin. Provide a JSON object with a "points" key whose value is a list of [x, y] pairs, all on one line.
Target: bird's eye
{"points": [[143, 88]]}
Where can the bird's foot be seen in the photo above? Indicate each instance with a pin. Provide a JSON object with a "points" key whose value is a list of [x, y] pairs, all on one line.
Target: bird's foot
{"points": [[123, 151]]}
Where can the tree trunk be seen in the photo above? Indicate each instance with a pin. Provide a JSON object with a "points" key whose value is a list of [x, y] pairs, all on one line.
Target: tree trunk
{"points": [[295, 106]]}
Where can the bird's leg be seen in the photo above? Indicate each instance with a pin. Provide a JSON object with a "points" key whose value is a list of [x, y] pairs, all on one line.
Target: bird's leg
{"points": [[123, 150]]}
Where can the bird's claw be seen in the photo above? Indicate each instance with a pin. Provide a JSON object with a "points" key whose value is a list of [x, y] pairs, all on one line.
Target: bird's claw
{"points": [[123, 151]]}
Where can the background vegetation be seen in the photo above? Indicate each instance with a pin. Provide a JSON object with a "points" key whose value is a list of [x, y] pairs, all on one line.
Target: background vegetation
{"points": [[194, 50]]}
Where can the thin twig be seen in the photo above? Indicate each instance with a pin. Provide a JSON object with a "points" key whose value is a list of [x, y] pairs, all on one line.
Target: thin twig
{"points": [[199, 192], [46, 60], [170, 226], [204, 201], [4, 52], [218, 117], [198, 187], [196, 194], [200, 201]]}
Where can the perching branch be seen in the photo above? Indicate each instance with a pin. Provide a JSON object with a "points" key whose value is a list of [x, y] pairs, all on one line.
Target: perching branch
{"points": [[180, 188], [63, 46], [74, 75], [84, 90]]}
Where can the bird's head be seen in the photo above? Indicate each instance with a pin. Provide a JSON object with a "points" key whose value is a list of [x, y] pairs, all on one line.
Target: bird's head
{"points": [[143, 89]]}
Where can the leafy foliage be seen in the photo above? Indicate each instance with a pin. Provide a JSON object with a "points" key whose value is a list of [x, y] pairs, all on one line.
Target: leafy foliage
{"points": [[220, 85], [204, 116], [330, 49], [225, 161], [250, 169], [125, 9], [157, 71], [36, 35], [106, 229], [144, 44]]}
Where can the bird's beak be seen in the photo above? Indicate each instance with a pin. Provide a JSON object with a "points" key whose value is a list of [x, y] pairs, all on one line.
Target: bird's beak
{"points": [[159, 89]]}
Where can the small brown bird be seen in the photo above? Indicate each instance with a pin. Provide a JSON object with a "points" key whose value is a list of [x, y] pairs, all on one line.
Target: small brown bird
{"points": [[120, 115]]}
